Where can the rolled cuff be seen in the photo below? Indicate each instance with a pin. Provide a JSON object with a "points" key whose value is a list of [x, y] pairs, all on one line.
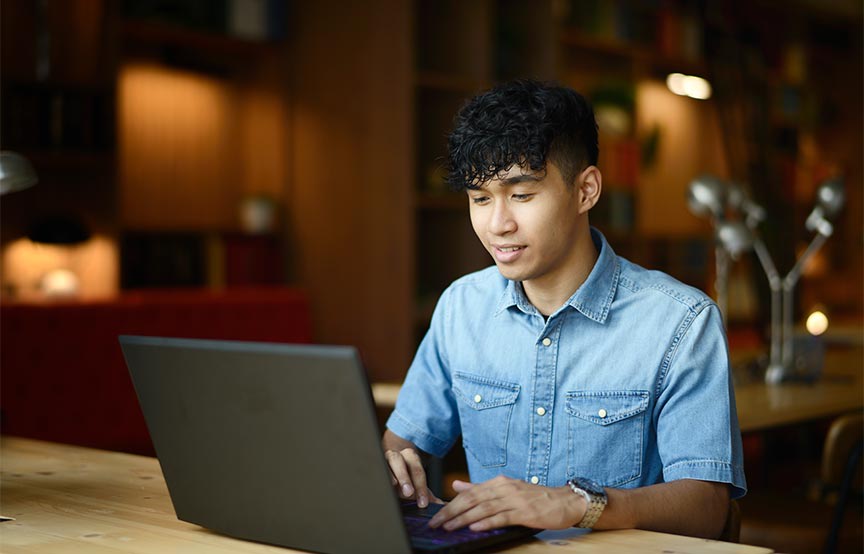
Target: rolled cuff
{"points": [[421, 439], [709, 470]]}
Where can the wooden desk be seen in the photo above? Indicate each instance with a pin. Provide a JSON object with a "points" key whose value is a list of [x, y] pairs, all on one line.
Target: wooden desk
{"points": [[68, 499], [841, 390]]}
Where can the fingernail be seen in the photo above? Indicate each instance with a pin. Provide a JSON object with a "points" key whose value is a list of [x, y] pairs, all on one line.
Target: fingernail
{"points": [[407, 490], [422, 502]]}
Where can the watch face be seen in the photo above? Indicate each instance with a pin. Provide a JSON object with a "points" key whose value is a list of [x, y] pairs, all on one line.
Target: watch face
{"points": [[589, 486]]}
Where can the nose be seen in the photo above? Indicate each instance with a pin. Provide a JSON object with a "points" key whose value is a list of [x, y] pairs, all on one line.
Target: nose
{"points": [[501, 222]]}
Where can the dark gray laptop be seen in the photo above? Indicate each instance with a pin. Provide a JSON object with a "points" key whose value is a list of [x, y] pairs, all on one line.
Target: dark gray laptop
{"points": [[279, 444]]}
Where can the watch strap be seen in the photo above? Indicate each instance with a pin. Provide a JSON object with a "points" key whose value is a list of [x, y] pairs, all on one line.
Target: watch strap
{"points": [[596, 504]]}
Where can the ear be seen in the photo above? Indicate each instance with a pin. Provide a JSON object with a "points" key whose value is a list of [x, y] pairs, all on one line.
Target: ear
{"points": [[590, 183]]}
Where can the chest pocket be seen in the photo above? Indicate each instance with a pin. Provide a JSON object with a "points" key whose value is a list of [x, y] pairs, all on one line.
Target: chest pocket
{"points": [[485, 409], [605, 433]]}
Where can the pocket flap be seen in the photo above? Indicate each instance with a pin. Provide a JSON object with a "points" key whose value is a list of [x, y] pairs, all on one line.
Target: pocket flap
{"points": [[606, 407], [481, 393]]}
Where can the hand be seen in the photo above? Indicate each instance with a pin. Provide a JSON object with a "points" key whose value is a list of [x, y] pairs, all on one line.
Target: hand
{"points": [[503, 501], [409, 477]]}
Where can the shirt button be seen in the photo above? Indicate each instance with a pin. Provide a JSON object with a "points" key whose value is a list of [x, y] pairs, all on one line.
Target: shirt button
{"points": [[535, 480], [541, 411], [547, 341], [478, 398], [602, 413]]}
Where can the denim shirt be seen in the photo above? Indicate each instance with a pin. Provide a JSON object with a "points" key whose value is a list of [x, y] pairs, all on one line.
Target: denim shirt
{"points": [[627, 384]]}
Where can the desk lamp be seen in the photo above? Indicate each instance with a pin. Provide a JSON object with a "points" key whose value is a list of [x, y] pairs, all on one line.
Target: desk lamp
{"points": [[16, 173], [829, 201], [709, 195]]}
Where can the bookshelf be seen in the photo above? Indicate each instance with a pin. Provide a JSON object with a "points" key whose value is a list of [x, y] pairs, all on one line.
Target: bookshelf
{"points": [[57, 93], [449, 68]]}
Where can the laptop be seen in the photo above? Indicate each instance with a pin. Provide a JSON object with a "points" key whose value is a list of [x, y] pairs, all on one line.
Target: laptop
{"points": [[279, 444]]}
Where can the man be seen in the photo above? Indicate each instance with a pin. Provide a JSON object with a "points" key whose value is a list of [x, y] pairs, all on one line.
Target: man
{"points": [[588, 391]]}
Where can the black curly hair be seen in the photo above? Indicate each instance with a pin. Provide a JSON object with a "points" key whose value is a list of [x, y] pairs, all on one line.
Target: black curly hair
{"points": [[522, 122]]}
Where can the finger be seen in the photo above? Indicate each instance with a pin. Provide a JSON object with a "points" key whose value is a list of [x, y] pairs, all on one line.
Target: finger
{"points": [[495, 521], [460, 486], [480, 512], [464, 501], [399, 469], [418, 476]]}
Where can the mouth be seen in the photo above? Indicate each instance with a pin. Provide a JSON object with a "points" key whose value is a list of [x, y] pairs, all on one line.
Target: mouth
{"points": [[506, 253]]}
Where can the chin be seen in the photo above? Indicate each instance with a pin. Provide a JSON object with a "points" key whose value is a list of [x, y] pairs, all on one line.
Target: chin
{"points": [[511, 273]]}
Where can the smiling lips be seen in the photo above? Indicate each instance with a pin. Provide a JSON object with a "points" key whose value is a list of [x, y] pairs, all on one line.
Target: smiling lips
{"points": [[506, 253]]}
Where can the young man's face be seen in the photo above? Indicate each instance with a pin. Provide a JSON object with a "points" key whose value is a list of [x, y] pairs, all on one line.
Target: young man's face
{"points": [[529, 222]]}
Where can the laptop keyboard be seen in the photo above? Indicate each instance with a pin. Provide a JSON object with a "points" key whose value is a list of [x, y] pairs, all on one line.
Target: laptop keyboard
{"points": [[417, 524]]}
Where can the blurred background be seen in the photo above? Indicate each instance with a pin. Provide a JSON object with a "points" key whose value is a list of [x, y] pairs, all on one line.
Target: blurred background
{"points": [[269, 170]]}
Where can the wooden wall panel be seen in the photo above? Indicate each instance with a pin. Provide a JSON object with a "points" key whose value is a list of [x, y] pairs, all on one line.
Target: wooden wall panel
{"points": [[177, 153], [690, 144], [351, 196]]}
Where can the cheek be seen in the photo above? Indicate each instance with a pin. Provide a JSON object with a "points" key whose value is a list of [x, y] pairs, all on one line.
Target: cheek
{"points": [[551, 228], [478, 225]]}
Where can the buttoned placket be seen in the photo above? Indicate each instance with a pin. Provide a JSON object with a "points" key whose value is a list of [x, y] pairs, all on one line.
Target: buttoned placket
{"points": [[543, 401]]}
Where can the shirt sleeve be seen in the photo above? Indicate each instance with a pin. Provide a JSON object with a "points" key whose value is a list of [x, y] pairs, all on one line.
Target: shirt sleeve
{"points": [[697, 423], [426, 412]]}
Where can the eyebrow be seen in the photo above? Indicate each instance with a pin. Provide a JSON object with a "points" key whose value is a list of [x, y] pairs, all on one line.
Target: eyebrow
{"points": [[515, 180]]}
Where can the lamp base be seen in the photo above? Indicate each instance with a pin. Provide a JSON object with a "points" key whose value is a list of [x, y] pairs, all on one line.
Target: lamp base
{"points": [[807, 360], [777, 373]]}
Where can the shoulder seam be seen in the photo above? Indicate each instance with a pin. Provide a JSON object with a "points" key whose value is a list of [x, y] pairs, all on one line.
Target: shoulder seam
{"points": [[683, 329], [693, 303]]}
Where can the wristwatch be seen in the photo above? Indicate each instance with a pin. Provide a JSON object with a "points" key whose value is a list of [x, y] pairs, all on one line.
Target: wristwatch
{"points": [[594, 495]]}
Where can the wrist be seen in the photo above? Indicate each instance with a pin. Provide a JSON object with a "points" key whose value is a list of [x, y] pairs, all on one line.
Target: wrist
{"points": [[593, 495], [575, 505]]}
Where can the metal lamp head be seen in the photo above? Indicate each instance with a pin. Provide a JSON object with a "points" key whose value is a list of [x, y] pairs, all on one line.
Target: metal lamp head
{"points": [[735, 237], [830, 198], [738, 199], [707, 196], [16, 173]]}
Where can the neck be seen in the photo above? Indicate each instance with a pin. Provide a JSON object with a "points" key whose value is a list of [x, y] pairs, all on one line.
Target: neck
{"points": [[551, 291]]}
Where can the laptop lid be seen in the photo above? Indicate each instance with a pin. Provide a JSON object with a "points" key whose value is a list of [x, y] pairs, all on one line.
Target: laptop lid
{"points": [[223, 417]]}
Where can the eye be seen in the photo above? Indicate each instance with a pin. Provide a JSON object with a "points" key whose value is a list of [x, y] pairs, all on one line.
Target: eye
{"points": [[522, 197], [479, 200]]}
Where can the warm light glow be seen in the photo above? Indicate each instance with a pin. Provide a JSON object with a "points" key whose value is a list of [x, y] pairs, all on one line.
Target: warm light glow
{"points": [[817, 323], [95, 263], [60, 283], [689, 85]]}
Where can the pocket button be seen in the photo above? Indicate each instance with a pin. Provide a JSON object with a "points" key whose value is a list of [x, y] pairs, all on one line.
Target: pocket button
{"points": [[602, 413]]}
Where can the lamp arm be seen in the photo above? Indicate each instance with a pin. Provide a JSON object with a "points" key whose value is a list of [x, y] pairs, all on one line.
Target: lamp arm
{"points": [[795, 273], [775, 284], [721, 283], [767, 263], [789, 283]]}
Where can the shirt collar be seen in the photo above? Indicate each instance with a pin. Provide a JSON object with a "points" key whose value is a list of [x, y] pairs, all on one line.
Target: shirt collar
{"points": [[592, 299]]}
